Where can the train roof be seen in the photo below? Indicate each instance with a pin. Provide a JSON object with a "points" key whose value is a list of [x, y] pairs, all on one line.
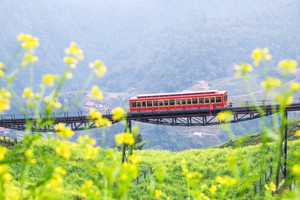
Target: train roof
{"points": [[178, 94]]}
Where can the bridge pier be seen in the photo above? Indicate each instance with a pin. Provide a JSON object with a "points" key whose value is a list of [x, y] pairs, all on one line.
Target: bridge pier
{"points": [[282, 168]]}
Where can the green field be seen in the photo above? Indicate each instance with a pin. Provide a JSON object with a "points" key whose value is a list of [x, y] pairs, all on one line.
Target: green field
{"points": [[246, 165]]}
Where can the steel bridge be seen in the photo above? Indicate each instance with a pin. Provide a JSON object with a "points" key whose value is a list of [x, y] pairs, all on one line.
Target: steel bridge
{"points": [[197, 117]]}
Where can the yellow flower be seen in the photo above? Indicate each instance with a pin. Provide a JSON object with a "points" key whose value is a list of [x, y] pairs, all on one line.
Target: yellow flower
{"points": [[68, 75], [98, 67], [270, 83], [60, 170], [227, 181], [48, 79], [28, 58], [28, 153], [285, 100], [63, 149], [27, 41], [27, 93], [296, 169], [158, 193], [3, 151], [288, 67], [70, 60], [259, 55], [124, 138], [96, 93], [295, 86], [135, 159], [75, 51], [224, 115], [63, 131], [242, 69], [4, 100], [297, 133], [86, 140], [91, 152], [213, 189], [118, 114]]}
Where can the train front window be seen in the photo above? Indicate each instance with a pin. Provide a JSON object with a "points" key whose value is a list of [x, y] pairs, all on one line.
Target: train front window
{"points": [[195, 101], [206, 100], [161, 103], [189, 101], [138, 104], [212, 99], [225, 98], [133, 104], [172, 102], [218, 99], [166, 102], [149, 103], [155, 103], [144, 103], [183, 101]]}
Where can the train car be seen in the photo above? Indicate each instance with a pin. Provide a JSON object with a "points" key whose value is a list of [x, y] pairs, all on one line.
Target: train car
{"points": [[176, 101]]}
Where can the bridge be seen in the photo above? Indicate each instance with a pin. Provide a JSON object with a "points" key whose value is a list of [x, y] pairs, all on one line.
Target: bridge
{"points": [[197, 117]]}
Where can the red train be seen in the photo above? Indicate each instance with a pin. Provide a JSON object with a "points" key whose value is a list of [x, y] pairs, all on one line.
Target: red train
{"points": [[175, 101]]}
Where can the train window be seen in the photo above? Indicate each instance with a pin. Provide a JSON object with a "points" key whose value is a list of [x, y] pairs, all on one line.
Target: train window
{"points": [[225, 98], [155, 103], [172, 102], [212, 99], [218, 99], [144, 103], [166, 102], [189, 101], [183, 101], [161, 103], [201, 100], [133, 104], [149, 103], [138, 104], [206, 100], [195, 101], [178, 101]]}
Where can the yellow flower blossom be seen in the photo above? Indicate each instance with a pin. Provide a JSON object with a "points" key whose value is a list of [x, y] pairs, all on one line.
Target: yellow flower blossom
{"points": [[242, 69], [294, 86], [91, 152], [28, 58], [96, 93], [27, 41], [226, 181], [124, 138], [118, 114], [68, 75], [270, 83], [224, 115], [75, 51], [63, 149], [135, 159], [288, 67], [60, 170], [296, 169], [48, 79], [285, 100], [3, 151], [213, 189], [28, 153], [99, 68], [259, 55], [27, 93], [70, 60], [297, 133], [2, 69], [63, 131], [4, 100], [158, 193], [86, 140]]}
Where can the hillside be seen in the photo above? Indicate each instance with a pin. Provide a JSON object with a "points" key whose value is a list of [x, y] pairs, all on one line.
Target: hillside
{"points": [[167, 165]]}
